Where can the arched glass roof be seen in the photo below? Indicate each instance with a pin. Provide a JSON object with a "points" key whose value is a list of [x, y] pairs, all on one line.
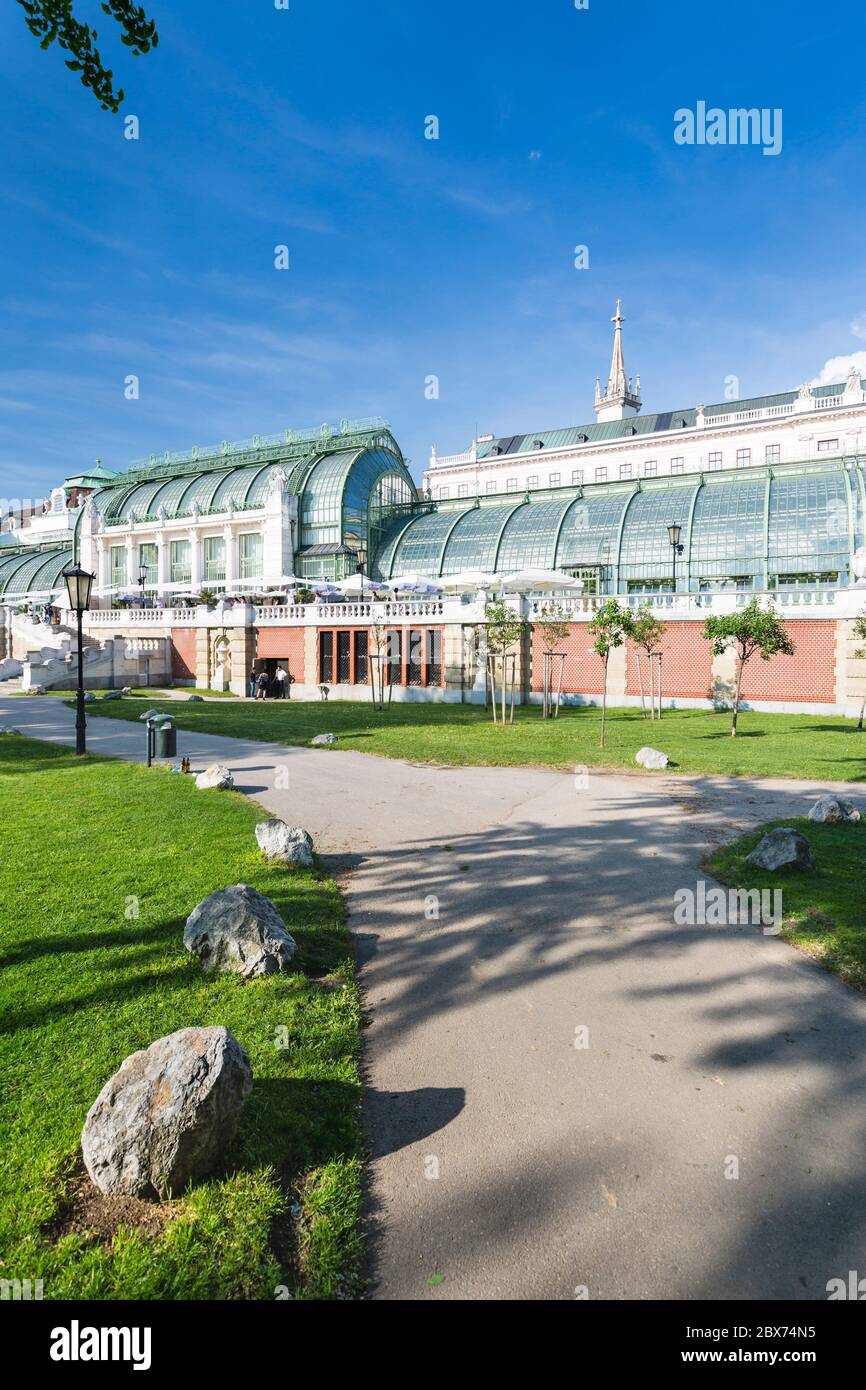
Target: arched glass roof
{"points": [[645, 550], [38, 572], [212, 491], [475, 539], [590, 530], [756, 527], [337, 492]]}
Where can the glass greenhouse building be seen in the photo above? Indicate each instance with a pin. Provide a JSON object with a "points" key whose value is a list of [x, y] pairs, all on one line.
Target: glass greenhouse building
{"points": [[758, 528]]}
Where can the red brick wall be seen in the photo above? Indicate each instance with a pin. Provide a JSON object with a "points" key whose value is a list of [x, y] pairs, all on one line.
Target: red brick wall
{"points": [[183, 648], [284, 642], [810, 674], [583, 673], [687, 663]]}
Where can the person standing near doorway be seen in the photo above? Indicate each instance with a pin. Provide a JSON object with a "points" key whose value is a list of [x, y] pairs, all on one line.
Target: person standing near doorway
{"points": [[262, 685], [281, 677], [253, 677]]}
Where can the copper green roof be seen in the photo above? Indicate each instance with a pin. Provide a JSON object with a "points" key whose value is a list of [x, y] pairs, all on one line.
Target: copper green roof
{"points": [[635, 426]]}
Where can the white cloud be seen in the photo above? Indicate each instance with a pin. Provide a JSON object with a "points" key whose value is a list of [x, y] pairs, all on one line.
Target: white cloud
{"points": [[836, 368], [858, 326]]}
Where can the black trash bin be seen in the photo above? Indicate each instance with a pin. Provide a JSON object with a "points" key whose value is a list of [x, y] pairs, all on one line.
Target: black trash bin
{"points": [[165, 738]]}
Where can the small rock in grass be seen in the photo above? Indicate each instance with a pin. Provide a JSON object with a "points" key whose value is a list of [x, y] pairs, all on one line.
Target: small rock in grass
{"points": [[831, 810], [783, 848], [89, 697], [651, 758], [323, 740], [8, 729], [168, 1115], [239, 929], [288, 843], [195, 699], [217, 777], [113, 695]]}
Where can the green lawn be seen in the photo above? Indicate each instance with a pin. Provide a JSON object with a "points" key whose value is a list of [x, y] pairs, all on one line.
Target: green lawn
{"points": [[822, 912], [86, 844], [698, 741]]}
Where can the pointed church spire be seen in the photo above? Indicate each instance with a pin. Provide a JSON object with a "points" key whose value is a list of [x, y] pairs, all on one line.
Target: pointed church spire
{"points": [[619, 400]]}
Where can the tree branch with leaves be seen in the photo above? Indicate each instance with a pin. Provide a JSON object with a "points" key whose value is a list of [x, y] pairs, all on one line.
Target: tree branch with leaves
{"points": [[53, 21]]}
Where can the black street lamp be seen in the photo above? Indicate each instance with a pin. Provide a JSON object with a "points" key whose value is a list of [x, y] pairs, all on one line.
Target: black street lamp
{"points": [[674, 533], [78, 586], [142, 580]]}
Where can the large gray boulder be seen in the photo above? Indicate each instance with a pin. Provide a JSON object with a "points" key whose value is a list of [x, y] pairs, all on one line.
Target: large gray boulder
{"points": [[783, 848], [323, 741], [89, 697], [241, 930], [216, 776], [113, 695], [288, 843], [168, 1115], [831, 810], [651, 758]]}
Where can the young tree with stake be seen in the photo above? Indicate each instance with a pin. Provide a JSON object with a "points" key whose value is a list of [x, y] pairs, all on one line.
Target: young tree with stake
{"points": [[752, 629], [646, 633], [609, 628]]}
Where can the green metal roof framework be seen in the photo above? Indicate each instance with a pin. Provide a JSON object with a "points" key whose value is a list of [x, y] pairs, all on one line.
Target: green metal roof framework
{"points": [[33, 571], [755, 523]]}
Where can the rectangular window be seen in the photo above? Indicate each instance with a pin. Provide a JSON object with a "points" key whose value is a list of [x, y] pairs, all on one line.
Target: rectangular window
{"points": [[462, 489], [511, 485], [326, 658], [576, 476], [601, 475], [826, 444], [343, 657], [555, 480], [119, 577], [361, 647], [416, 649], [214, 552], [250, 553], [489, 487], [180, 562], [444, 494], [677, 465], [715, 462], [395, 657], [148, 557], [773, 453], [434, 656], [744, 458], [625, 470], [532, 481], [651, 468]]}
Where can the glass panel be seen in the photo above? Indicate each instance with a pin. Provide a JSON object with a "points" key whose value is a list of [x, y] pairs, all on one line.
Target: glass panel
{"points": [[148, 557], [529, 538], [250, 555], [434, 656], [413, 664], [808, 530], [180, 562], [343, 657], [589, 531], [727, 543], [119, 577], [472, 544], [214, 550], [646, 549]]}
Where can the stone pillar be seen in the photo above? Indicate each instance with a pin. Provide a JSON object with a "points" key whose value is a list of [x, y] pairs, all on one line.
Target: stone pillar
{"points": [[311, 656], [162, 567], [194, 559], [242, 656], [850, 668], [231, 557], [724, 677]]}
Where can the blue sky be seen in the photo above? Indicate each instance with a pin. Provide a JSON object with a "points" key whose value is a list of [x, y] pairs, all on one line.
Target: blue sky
{"points": [[412, 257]]}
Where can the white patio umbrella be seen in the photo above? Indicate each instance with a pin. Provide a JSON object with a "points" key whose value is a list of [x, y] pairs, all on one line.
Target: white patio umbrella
{"points": [[362, 584], [466, 580], [409, 581], [530, 581]]}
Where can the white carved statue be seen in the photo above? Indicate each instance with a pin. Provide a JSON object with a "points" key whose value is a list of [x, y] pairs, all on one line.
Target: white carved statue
{"points": [[858, 565]]}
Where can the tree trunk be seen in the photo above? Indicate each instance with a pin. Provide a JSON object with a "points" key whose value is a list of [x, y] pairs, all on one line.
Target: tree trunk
{"points": [[860, 720], [603, 703], [640, 682], [740, 664]]}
